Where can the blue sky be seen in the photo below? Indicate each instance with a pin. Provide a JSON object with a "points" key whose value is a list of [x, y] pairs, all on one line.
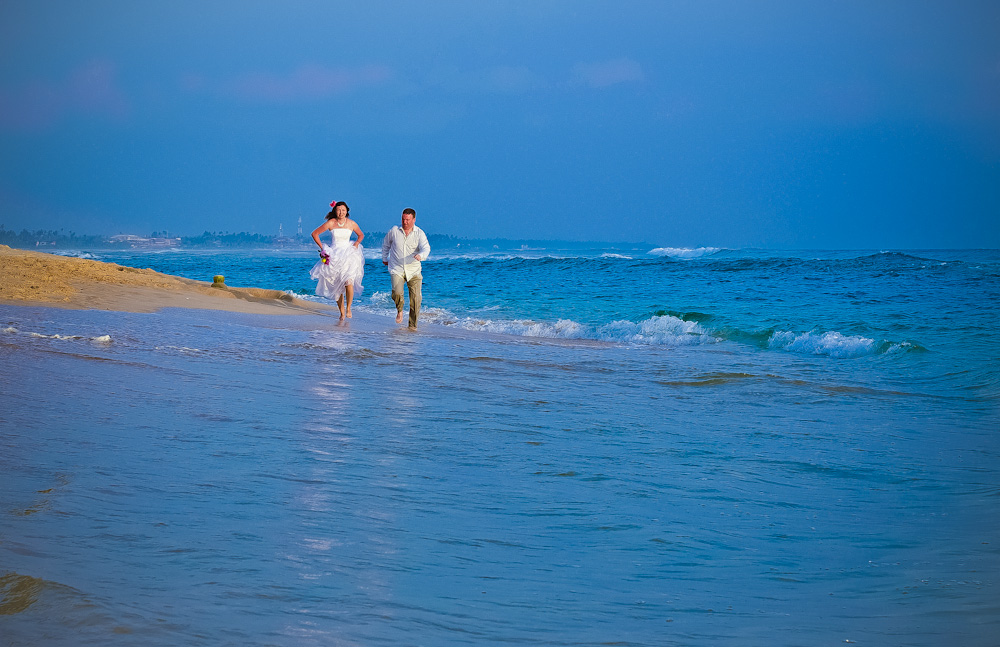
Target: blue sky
{"points": [[726, 124]]}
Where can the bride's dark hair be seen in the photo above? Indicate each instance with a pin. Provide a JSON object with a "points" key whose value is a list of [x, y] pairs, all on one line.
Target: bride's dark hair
{"points": [[333, 212]]}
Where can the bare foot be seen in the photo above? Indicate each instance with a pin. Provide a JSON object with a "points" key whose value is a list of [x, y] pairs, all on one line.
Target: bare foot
{"points": [[341, 313], [348, 313], [399, 317]]}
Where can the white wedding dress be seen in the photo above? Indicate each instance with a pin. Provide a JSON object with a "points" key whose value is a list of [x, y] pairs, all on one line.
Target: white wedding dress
{"points": [[346, 265]]}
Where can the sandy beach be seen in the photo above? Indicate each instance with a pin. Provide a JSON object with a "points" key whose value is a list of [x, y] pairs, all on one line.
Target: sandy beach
{"points": [[36, 278]]}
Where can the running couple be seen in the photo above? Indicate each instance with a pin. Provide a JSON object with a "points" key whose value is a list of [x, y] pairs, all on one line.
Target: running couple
{"points": [[342, 266]]}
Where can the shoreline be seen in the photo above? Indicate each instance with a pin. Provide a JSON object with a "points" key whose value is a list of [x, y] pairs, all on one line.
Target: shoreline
{"points": [[30, 278]]}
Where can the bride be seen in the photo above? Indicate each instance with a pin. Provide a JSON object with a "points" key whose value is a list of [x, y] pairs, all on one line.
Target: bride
{"points": [[341, 266]]}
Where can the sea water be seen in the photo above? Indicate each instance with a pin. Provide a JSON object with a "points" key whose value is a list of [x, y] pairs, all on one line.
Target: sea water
{"points": [[578, 447]]}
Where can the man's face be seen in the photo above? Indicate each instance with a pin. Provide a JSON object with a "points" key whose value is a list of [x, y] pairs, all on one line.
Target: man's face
{"points": [[407, 220]]}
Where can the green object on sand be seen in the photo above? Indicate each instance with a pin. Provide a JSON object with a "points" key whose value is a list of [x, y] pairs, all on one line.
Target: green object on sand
{"points": [[219, 281]]}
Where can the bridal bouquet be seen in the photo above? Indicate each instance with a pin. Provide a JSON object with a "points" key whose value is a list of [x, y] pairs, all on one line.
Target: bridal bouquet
{"points": [[324, 256]]}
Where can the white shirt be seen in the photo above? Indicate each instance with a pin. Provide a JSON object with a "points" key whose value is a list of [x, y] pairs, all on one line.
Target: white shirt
{"points": [[398, 250]]}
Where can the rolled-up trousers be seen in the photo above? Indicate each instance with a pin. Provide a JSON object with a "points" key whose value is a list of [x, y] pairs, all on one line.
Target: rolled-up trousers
{"points": [[397, 295]]}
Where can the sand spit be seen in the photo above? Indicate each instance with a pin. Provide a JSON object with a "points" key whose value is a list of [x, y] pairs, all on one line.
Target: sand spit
{"points": [[28, 277]]}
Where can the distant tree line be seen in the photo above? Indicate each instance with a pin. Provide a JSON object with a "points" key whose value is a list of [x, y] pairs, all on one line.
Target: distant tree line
{"points": [[42, 238], [51, 239]]}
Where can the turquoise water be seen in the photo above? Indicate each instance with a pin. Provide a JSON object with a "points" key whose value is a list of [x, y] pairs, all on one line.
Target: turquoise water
{"points": [[639, 447]]}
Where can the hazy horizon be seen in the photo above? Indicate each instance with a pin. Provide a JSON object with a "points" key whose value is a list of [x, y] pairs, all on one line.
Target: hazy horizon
{"points": [[574, 242]]}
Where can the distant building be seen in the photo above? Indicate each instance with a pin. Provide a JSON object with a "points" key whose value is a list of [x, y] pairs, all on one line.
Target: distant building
{"points": [[140, 242]]}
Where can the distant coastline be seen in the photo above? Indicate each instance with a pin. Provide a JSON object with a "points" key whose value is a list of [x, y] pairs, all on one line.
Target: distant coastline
{"points": [[50, 240]]}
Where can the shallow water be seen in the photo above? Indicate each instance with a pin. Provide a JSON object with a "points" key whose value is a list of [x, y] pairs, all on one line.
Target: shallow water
{"points": [[191, 477]]}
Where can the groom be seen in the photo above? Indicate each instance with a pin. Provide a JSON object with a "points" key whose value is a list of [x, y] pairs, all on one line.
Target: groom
{"points": [[402, 250]]}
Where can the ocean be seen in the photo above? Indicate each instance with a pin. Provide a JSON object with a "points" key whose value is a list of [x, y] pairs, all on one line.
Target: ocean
{"points": [[581, 446]]}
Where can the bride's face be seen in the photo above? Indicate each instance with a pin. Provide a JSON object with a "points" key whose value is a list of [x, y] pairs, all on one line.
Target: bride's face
{"points": [[341, 211]]}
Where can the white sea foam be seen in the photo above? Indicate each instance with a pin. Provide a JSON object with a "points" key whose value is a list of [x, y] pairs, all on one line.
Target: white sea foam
{"points": [[56, 336], [507, 255], [100, 339], [382, 299], [562, 329], [310, 297], [683, 252], [658, 331], [832, 344], [902, 346], [184, 350], [531, 257], [611, 255], [663, 330]]}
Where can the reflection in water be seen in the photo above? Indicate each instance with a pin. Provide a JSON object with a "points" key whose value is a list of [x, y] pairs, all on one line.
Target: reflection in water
{"points": [[339, 548]]}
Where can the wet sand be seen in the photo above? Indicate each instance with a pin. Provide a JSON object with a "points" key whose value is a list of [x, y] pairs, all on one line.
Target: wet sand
{"points": [[35, 278]]}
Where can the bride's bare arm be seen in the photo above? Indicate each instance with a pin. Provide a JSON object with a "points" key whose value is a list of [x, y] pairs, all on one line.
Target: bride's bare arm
{"points": [[319, 230]]}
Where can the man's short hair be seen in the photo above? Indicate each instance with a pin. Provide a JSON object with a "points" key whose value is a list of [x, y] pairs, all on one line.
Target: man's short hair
{"points": [[409, 211]]}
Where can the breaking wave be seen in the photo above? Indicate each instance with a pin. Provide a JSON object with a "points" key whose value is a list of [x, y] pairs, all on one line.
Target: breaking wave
{"points": [[834, 344], [99, 339], [684, 252]]}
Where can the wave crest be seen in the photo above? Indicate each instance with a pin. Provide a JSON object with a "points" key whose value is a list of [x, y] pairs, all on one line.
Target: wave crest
{"points": [[684, 252], [660, 330], [834, 344]]}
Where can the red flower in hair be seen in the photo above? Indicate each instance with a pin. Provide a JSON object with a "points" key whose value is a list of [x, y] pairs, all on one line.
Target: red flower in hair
{"points": [[333, 204]]}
